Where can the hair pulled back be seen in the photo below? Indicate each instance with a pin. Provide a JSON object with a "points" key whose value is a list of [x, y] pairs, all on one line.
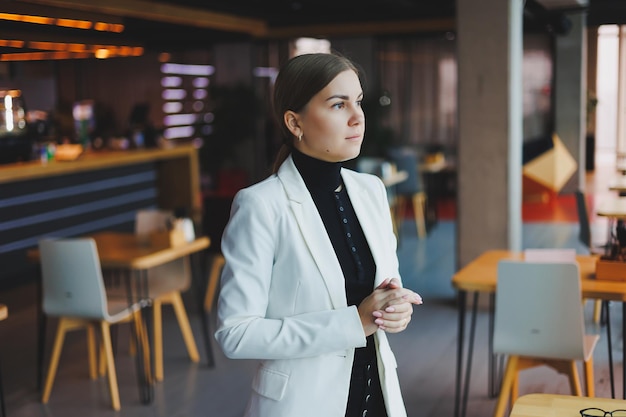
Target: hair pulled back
{"points": [[297, 82]]}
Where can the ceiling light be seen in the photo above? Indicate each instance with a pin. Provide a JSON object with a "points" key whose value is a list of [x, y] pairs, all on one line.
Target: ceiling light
{"points": [[73, 51], [44, 15]]}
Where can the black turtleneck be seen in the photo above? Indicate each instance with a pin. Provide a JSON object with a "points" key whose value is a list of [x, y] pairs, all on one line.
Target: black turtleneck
{"points": [[357, 264], [323, 180]]}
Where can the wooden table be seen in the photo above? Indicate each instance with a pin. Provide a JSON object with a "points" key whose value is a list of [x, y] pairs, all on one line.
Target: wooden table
{"points": [[480, 276], [126, 251], [613, 208], [553, 405], [394, 178], [618, 184]]}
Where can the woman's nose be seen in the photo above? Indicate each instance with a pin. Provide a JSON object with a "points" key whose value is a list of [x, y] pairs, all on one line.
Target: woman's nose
{"points": [[358, 116]]}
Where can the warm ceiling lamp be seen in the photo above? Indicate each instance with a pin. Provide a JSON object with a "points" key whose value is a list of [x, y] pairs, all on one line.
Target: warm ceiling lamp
{"points": [[42, 56], [12, 43], [55, 55], [60, 50], [42, 15], [101, 53]]}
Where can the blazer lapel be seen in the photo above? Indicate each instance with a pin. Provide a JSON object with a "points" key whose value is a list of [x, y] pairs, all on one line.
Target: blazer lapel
{"points": [[313, 232]]}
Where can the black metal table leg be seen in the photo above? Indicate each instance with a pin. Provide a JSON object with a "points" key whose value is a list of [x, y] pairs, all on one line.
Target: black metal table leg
{"points": [[462, 387], [605, 307], [201, 287], [459, 352], [494, 374], [623, 350], [470, 354], [41, 332], [3, 411]]}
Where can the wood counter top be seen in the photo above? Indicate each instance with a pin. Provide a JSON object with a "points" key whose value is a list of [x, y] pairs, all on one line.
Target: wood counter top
{"points": [[90, 161]]}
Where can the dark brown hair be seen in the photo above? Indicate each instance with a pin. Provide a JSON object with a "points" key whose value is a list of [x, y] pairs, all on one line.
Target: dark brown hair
{"points": [[298, 81]]}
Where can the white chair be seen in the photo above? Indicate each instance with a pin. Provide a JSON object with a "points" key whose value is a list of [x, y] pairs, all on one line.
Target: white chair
{"points": [[539, 321], [559, 255], [166, 283], [74, 292], [411, 190]]}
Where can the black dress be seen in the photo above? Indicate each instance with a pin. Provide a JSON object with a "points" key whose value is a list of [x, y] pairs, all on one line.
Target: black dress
{"points": [[323, 180]]}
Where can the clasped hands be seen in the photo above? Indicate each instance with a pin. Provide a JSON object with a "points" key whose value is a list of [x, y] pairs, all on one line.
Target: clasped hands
{"points": [[389, 307]]}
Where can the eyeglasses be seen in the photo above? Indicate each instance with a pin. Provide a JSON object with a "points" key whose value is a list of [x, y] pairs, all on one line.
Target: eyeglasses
{"points": [[598, 412]]}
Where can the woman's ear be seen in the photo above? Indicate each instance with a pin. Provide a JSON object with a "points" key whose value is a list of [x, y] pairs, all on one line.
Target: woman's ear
{"points": [[290, 119]]}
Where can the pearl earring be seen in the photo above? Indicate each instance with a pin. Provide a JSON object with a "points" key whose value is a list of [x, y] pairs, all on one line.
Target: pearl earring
{"points": [[300, 138]]}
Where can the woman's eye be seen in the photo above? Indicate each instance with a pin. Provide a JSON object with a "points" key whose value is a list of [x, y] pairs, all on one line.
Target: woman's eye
{"points": [[338, 105], [359, 102]]}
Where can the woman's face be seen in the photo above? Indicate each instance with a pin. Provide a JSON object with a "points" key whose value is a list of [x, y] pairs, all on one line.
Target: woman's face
{"points": [[332, 123]]}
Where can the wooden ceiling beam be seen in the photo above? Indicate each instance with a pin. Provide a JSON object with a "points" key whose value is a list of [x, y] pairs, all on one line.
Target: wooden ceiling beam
{"points": [[143, 9]]}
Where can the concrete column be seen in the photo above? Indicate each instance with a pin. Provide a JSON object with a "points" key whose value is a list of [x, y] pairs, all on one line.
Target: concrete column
{"points": [[571, 95], [490, 126]]}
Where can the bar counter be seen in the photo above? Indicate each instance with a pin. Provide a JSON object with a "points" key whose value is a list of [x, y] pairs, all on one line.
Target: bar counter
{"points": [[99, 190], [175, 161]]}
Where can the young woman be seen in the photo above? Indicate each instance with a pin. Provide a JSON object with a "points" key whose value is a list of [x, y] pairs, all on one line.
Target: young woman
{"points": [[311, 283]]}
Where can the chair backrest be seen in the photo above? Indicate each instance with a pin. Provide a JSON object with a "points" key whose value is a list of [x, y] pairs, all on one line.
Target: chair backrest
{"points": [[72, 278], [370, 165], [174, 275], [584, 234], [538, 311], [151, 220], [406, 159]]}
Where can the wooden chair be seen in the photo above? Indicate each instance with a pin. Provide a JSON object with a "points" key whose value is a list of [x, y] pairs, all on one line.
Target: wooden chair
{"points": [[4, 313], [74, 292], [539, 321], [411, 190], [166, 283]]}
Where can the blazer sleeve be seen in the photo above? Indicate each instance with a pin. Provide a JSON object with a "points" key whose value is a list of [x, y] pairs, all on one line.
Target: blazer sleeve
{"points": [[244, 330]]}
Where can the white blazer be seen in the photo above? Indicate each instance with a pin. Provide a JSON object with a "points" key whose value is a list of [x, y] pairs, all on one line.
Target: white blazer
{"points": [[283, 298]]}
